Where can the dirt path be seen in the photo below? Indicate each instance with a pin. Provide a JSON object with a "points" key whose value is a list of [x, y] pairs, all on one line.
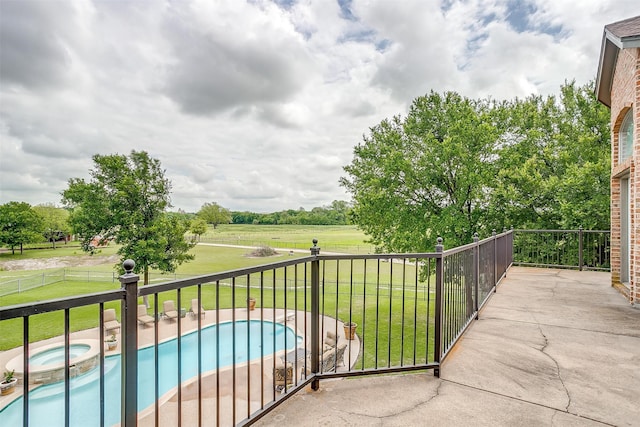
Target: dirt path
{"points": [[58, 262]]}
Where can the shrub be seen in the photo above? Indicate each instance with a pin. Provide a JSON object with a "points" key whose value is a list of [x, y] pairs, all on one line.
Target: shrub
{"points": [[263, 251]]}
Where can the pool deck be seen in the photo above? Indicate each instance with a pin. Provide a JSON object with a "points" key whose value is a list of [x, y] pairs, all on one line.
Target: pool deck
{"points": [[258, 375]]}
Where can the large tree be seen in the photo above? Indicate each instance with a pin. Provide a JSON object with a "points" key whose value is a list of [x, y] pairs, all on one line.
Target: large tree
{"points": [[126, 200], [19, 224], [554, 162], [55, 222], [424, 176], [214, 214], [456, 166]]}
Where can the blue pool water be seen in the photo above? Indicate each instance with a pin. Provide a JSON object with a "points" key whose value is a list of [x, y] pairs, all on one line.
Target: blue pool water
{"points": [[46, 403]]}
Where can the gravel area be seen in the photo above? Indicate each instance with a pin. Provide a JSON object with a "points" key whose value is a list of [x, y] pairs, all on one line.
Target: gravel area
{"points": [[57, 262]]}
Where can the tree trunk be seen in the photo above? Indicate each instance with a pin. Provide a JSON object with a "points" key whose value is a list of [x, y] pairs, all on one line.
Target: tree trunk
{"points": [[20, 248]]}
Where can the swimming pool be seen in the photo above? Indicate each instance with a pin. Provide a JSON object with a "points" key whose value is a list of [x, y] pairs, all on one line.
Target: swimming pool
{"points": [[46, 403]]}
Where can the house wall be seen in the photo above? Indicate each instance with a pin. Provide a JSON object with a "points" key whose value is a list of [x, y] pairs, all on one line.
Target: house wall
{"points": [[625, 95]]}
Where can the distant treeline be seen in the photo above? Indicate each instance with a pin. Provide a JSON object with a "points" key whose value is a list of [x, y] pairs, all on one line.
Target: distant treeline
{"points": [[335, 214]]}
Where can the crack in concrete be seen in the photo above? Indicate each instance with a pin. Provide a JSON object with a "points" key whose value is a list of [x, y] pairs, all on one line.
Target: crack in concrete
{"points": [[506, 396], [395, 414], [612, 333], [555, 286], [566, 390]]}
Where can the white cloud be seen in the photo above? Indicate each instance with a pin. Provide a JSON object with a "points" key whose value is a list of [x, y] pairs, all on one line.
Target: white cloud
{"points": [[252, 56], [251, 104]]}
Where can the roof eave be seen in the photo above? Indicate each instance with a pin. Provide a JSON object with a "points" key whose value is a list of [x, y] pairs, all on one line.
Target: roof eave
{"points": [[606, 64], [630, 42], [625, 42]]}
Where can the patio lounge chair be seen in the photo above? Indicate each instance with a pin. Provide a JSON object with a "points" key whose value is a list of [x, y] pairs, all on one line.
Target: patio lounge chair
{"points": [[196, 309], [330, 340], [170, 311], [332, 357], [143, 317], [111, 324], [340, 354], [328, 361]]}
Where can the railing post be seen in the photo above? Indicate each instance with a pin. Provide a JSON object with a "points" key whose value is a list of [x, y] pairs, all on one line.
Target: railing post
{"points": [[503, 265], [495, 260], [580, 247], [476, 272], [437, 350], [512, 247], [129, 343], [315, 314]]}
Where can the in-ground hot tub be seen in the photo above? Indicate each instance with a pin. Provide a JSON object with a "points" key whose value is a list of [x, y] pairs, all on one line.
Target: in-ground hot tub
{"points": [[46, 364]]}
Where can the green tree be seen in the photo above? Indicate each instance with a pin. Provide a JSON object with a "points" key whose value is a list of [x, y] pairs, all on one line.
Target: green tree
{"points": [[126, 200], [55, 222], [214, 214], [584, 191], [198, 227], [520, 195], [554, 164], [339, 210], [19, 224], [456, 166], [244, 217], [425, 176]]}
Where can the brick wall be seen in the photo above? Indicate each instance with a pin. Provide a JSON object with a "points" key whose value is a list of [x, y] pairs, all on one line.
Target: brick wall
{"points": [[625, 95], [635, 191]]}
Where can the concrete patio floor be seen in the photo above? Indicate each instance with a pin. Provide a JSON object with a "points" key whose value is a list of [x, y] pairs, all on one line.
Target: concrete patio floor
{"points": [[551, 348]]}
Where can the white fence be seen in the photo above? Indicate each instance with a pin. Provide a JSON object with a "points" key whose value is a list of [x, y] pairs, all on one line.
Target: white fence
{"points": [[22, 284]]}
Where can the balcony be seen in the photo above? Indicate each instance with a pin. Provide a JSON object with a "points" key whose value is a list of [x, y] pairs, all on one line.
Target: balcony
{"points": [[551, 347], [411, 311]]}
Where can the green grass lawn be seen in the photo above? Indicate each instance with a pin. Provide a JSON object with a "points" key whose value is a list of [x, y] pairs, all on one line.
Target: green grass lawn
{"points": [[336, 238], [392, 318], [385, 315]]}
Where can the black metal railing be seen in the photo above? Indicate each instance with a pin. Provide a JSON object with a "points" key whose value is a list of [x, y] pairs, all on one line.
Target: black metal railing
{"points": [[580, 249], [407, 310], [470, 274]]}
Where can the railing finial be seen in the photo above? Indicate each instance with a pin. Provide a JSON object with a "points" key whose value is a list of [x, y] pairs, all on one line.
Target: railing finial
{"points": [[439, 245], [315, 250], [128, 266]]}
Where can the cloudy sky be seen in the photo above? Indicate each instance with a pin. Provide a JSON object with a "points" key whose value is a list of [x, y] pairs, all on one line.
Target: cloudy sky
{"points": [[257, 104]]}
